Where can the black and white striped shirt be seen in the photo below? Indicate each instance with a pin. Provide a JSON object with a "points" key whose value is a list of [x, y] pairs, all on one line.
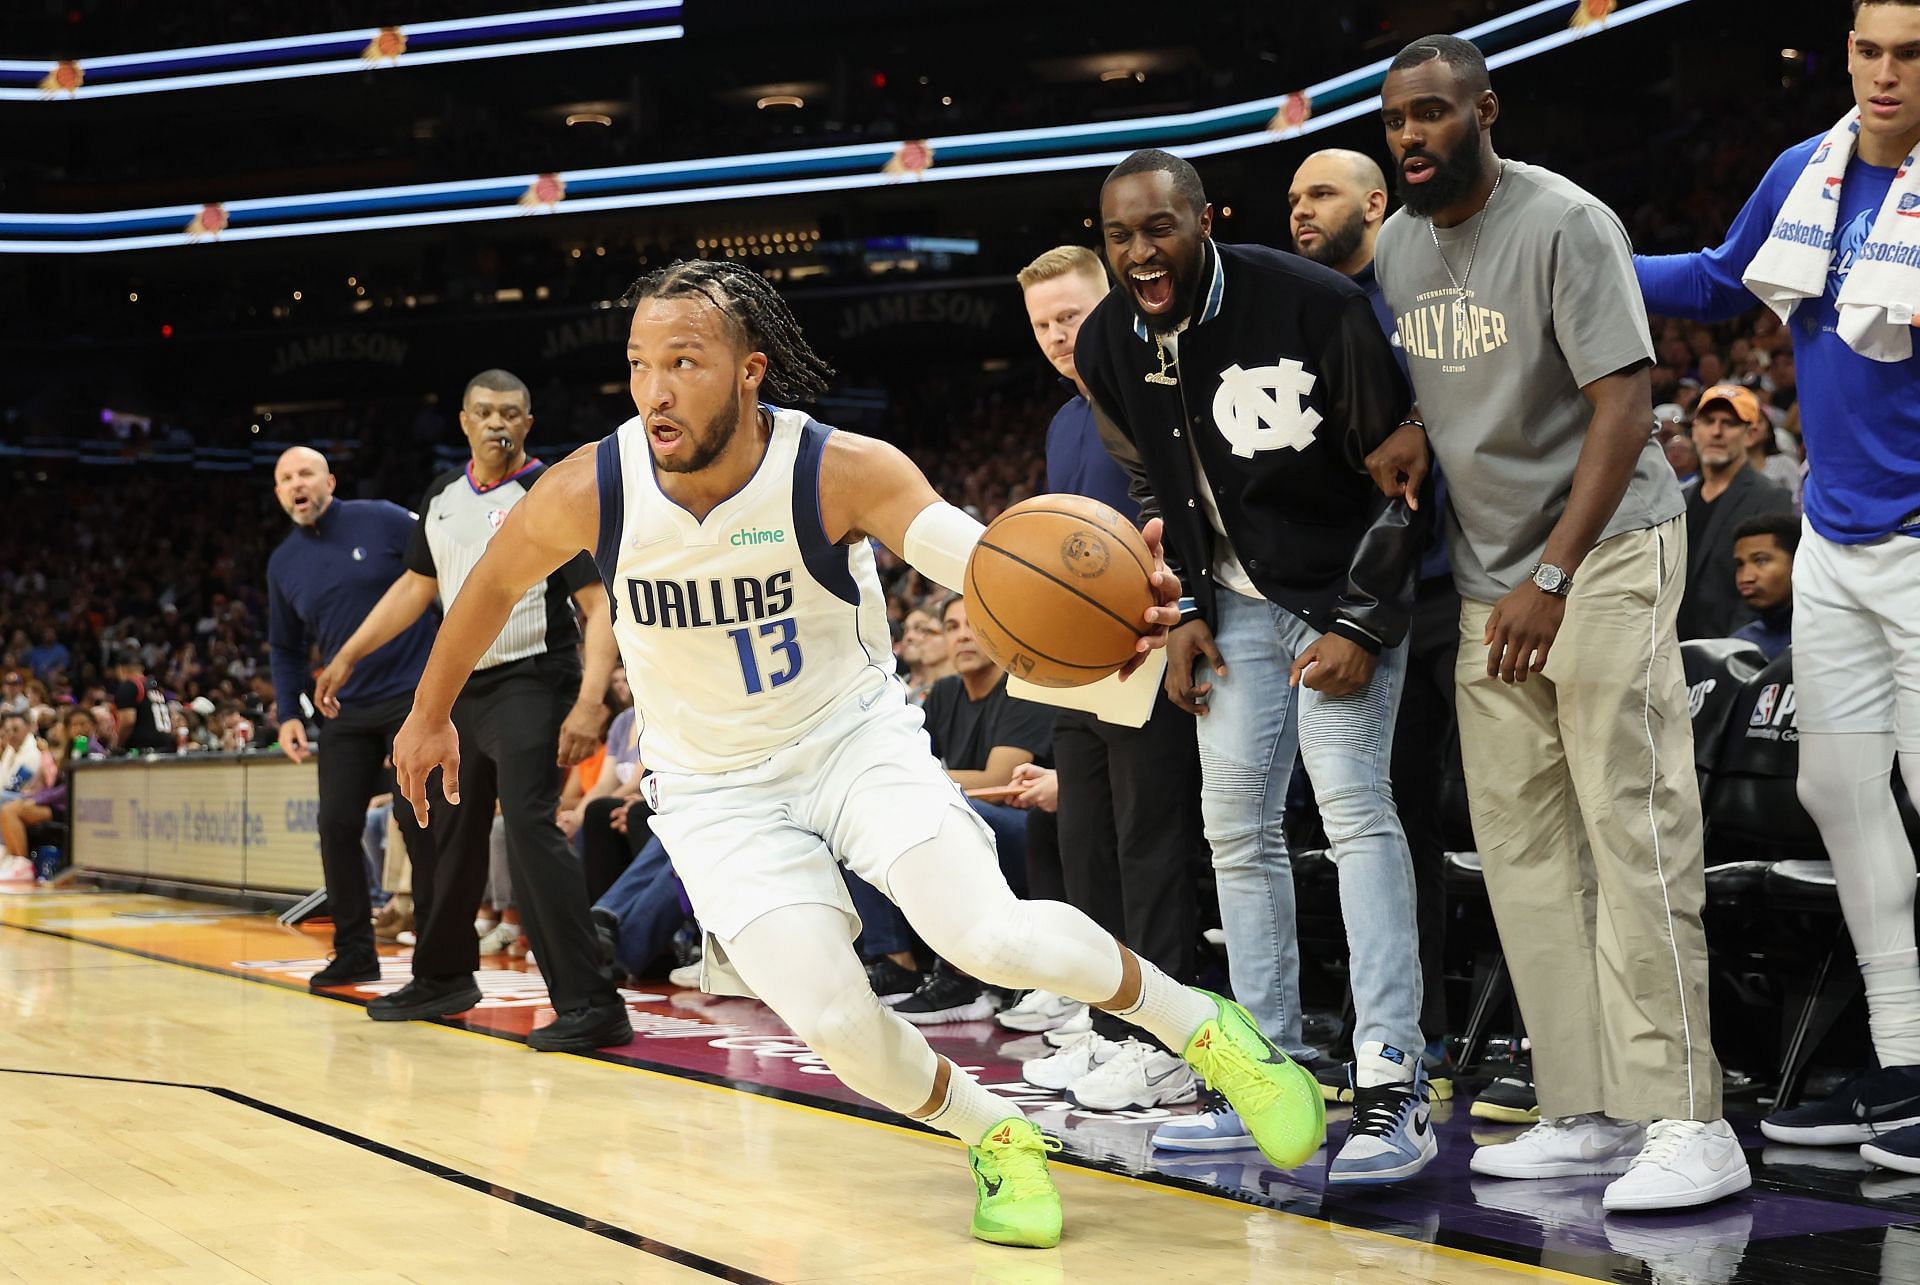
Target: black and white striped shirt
{"points": [[457, 519]]}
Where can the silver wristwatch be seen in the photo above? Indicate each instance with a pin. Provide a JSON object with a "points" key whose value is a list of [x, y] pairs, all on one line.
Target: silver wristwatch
{"points": [[1552, 579]]}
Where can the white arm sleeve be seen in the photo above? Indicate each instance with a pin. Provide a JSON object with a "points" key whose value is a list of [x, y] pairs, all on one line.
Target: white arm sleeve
{"points": [[939, 542]]}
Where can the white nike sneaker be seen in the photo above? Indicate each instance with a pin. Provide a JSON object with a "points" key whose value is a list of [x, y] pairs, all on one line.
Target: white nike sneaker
{"points": [[1139, 1076], [1040, 1010], [1685, 1163], [1072, 1029], [1566, 1147], [1058, 1070]]}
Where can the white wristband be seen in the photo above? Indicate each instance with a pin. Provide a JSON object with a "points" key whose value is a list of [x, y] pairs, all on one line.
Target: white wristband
{"points": [[938, 543]]}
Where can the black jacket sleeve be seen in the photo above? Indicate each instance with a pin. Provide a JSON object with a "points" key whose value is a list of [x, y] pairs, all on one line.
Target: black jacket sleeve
{"points": [[1367, 398]]}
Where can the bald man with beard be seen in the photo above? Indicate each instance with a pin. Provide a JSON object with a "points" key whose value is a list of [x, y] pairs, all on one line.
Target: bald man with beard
{"points": [[323, 580]]}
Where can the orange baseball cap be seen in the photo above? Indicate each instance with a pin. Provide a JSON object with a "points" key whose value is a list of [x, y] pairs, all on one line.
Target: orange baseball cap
{"points": [[1741, 400]]}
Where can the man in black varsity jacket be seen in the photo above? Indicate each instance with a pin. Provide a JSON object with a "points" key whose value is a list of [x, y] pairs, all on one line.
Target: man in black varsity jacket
{"points": [[1252, 384]]}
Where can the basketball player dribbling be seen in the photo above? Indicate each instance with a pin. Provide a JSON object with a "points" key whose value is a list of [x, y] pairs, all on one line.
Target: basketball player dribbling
{"points": [[734, 540]]}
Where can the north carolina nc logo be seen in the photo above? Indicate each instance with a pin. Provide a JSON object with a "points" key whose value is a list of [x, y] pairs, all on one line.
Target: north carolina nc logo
{"points": [[1265, 408]]}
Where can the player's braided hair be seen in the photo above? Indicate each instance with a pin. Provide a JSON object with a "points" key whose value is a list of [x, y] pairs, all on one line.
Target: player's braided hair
{"points": [[795, 372]]}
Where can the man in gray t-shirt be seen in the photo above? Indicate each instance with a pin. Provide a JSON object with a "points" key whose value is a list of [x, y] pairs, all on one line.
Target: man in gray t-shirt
{"points": [[1551, 307], [1526, 340]]}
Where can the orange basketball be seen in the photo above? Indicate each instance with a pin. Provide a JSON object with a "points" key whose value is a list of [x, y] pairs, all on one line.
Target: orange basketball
{"points": [[1058, 589]]}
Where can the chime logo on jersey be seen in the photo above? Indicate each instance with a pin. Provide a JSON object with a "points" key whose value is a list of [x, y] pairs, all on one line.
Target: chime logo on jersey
{"points": [[1265, 408], [703, 604]]}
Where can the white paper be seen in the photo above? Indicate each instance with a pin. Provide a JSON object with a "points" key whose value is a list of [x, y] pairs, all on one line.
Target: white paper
{"points": [[1125, 704]]}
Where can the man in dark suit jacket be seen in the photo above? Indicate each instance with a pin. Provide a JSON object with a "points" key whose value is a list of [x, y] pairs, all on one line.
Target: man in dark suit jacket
{"points": [[1727, 493]]}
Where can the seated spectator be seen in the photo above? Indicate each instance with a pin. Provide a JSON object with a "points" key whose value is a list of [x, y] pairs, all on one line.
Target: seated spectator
{"points": [[1727, 493], [923, 647], [144, 722], [19, 757], [1683, 458], [13, 693], [1763, 549], [47, 800], [51, 655], [611, 819], [644, 914], [981, 734]]}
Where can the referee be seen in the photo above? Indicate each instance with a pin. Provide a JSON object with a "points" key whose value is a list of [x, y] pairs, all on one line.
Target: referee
{"points": [[322, 581], [530, 709]]}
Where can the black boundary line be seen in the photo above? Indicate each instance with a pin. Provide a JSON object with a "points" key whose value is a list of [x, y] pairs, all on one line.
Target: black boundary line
{"points": [[1351, 1211], [534, 1204]]}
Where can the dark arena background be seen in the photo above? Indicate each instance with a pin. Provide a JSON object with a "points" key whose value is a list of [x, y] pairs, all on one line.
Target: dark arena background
{"points": [[231, 230]]}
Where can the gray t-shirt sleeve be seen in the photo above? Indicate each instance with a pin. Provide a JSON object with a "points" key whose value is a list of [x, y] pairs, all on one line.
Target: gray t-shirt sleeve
{"points": [[1599, 317]]}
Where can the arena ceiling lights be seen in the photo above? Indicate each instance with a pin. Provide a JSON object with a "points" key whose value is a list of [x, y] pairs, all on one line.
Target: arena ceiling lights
{"points": [[1536, 29], [499, 35]]}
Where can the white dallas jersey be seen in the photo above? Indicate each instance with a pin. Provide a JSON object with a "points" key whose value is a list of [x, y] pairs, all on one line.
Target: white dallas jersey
{"points": [[743, 632]]}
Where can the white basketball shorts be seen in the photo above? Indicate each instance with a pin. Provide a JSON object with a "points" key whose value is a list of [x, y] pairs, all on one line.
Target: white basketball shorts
{"points": [[861, 789], [1856, 636]]}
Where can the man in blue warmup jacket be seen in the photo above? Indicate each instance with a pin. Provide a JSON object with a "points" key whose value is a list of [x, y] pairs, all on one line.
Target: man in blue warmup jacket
{"points": [[1856, 579], [325, 577]]}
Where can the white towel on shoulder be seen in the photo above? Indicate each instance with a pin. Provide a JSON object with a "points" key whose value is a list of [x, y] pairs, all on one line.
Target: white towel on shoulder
{"points": [[1878, 303]]}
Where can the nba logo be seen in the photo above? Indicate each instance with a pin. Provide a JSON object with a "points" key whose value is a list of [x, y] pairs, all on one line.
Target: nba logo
{"points": [[1820, 153], [496, 517], [1830, 190], [1763, 708], [1910, 205], [359, 555]]}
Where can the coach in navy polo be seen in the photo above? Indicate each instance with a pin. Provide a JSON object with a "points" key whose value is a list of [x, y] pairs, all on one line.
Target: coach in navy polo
{"points": [[338, 561]]}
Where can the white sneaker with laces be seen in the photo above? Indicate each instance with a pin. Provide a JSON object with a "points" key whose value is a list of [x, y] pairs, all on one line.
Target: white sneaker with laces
{"points": [[1139, 1076], [1058, 1070], [501, 936], [1685, 1163], [1566, 1147], [1039, 1010], [1072, 1029]]}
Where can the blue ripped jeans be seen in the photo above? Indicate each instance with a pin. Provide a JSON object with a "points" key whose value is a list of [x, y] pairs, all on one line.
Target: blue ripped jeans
{"points": [[1248, 739]]}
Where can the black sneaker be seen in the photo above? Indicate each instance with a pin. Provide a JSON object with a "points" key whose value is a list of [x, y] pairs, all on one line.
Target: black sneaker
{"points": [[1510, 1099], [426, 997], [1865, 1107], [891, 982], [1336, 1084], [345, 970], [582, 1030], [947, 995]]}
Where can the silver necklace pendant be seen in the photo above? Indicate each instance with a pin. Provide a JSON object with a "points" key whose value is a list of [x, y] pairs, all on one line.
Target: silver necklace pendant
{"points": [[1162, 375]]}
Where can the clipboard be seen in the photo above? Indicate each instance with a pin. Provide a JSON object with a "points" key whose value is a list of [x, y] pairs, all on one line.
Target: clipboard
{"points": [[1127, 704]]}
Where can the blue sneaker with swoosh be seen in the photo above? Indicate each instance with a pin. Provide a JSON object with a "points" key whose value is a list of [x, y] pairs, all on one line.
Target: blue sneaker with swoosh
{"points": [[1391, 1135]]}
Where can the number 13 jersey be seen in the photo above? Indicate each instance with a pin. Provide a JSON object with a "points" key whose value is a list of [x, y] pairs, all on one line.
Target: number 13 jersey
{"points": [[742, 632]]}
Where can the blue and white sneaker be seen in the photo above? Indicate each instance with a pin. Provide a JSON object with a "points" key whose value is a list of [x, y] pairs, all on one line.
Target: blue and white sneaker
{"points": [[1216, 1128], [1391, 1135]]}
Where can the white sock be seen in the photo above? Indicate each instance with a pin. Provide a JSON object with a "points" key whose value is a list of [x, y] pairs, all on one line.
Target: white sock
{"points": [[1375, 1063], [969, 1112], [1893, 1005], [1166, 1010]]}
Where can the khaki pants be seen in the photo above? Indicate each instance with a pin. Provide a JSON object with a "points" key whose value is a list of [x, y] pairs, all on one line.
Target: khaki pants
{"points": [[1587, 813]]}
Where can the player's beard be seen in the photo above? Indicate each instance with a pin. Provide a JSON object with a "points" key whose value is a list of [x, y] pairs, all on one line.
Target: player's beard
{"points": [[1337, 245], [1454, 176], [709, 442]]}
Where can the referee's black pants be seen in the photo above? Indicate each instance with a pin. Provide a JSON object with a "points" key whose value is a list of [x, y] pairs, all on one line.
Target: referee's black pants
{"points": [[352, 759], [509, 721], [1130, 835]]}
